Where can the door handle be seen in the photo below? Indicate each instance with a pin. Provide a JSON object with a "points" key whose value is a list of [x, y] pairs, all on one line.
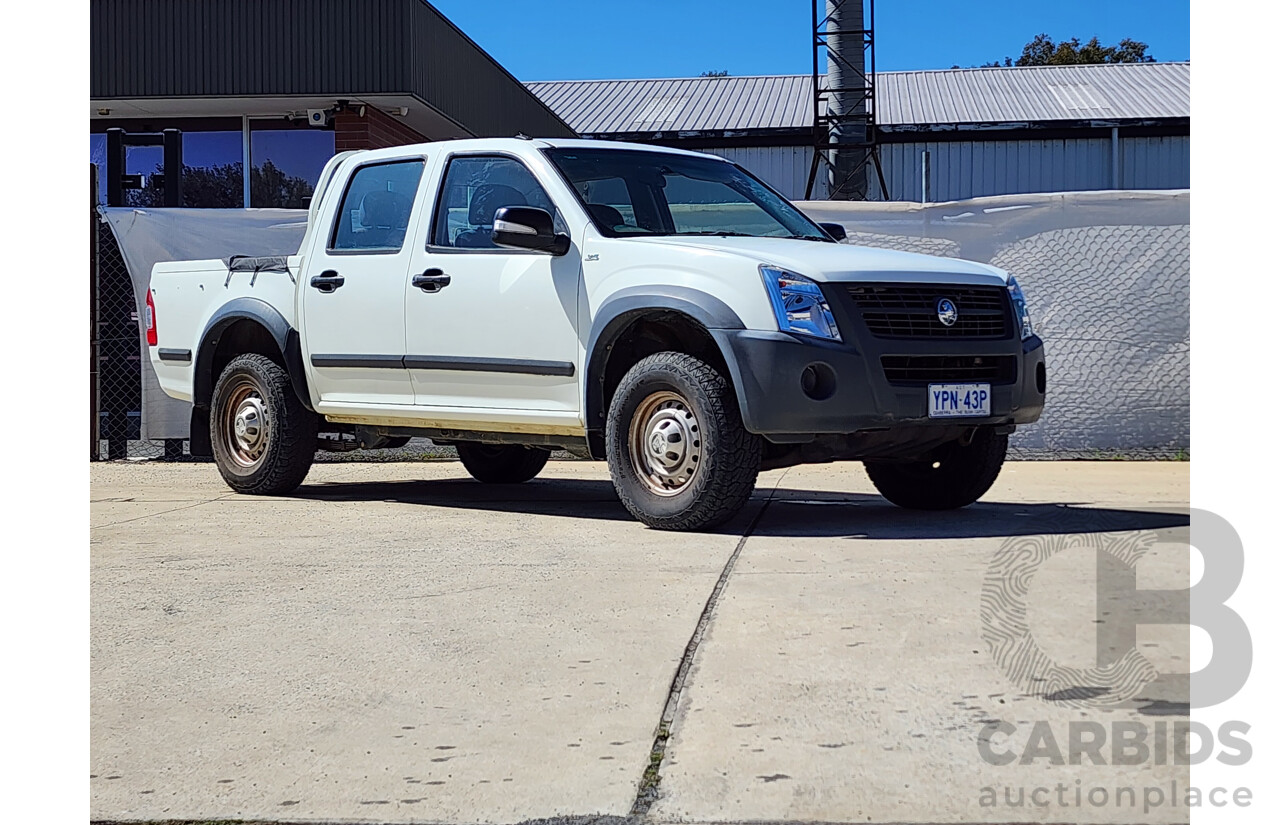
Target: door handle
{"points": [[433, 280], [328, 281]]}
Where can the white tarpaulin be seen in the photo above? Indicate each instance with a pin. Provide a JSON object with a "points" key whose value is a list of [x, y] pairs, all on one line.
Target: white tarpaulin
{"points": [[151, 236], [1107, 275]]}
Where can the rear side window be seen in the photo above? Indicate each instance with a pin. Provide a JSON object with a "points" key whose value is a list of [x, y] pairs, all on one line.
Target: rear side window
{"points": [[375, 210], [474, 189]]}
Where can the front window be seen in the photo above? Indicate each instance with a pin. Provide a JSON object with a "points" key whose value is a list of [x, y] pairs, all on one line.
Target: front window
{"points": [[633, 192], [475, 187]]}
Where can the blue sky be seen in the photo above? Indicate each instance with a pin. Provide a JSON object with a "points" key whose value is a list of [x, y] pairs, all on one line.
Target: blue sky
{"points": [[584, 39]]}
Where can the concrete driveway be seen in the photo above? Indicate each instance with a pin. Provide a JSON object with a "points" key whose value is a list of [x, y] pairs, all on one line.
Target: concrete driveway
{"points": [[397, 643]]}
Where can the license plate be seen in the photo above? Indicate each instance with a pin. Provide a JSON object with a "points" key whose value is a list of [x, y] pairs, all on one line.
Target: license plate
{"points": [[959, 400]]}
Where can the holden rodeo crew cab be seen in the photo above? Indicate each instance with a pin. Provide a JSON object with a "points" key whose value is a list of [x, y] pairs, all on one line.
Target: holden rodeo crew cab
{"points": [[661, 310]]}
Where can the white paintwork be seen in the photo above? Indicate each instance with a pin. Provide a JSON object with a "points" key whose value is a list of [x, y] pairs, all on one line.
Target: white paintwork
{"points": [[499, 305], [191, 292], [366, 315]]}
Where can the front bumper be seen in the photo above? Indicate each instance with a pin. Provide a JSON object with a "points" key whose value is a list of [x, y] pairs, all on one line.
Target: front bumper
{"points": [[853, 393]]}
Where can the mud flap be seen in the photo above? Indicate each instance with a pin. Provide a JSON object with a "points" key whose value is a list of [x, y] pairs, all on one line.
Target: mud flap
{"points": [[201, 446]]}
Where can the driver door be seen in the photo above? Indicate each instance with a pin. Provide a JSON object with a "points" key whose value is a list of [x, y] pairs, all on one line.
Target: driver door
{"points": [[491, 327]]}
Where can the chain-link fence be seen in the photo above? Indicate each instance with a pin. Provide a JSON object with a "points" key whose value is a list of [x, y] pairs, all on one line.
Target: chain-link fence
{"points": [[1108, 277], [1116, 322], [118, 348]]}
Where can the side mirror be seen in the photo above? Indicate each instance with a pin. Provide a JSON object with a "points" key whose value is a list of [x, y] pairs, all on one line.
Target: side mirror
{"points": [[526, 227], [835, 230]]}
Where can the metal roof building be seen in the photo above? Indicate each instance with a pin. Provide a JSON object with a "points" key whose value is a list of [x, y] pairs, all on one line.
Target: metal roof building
{"points": [[986, 131], [706, 105], [1129, 92], [287, 83]]}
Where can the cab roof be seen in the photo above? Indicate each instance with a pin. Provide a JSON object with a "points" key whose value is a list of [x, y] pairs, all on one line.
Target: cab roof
{"points": [[521, 144]]}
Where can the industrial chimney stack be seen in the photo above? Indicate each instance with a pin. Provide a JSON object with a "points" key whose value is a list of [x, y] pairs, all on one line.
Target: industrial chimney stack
{"points": [[847, 103]]}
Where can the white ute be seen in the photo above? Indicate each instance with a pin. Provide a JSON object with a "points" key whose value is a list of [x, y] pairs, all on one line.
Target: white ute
{"points": [[659, 309]]}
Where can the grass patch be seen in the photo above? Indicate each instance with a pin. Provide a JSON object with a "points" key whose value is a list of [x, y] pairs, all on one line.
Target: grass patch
{"points": [[648, 792]]}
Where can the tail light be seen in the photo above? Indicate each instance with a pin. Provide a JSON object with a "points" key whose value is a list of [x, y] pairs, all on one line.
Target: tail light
{"points": [[152, 339]]}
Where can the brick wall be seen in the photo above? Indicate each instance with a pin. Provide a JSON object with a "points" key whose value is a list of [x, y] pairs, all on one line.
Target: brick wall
{"points": [[376, 130]]}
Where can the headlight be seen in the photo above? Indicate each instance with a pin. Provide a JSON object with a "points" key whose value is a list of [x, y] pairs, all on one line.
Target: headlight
{"points": [[1020, 308], [798, 304]]}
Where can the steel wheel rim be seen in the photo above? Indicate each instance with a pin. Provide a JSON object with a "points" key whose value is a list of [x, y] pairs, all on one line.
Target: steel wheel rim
{"points": [[244, 431], [665, 442]]}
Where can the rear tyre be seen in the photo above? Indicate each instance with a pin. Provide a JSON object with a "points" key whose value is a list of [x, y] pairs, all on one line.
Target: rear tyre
{"points": [[678, 452], [502, 463], [952, 476], [264, 440]]}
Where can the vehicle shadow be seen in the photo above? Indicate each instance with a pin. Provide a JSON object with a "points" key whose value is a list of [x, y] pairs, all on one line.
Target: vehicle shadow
{"points": [[791, 513]]}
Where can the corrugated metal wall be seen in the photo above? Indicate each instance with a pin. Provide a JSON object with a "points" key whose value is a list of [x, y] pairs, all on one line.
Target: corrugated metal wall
{"points": [[974, 169], [1155, 163], [960, 170], [785, 168]]}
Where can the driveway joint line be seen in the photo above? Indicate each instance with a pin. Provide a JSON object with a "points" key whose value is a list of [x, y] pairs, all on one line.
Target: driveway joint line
{"points": [[647, 793], [162, 512]]}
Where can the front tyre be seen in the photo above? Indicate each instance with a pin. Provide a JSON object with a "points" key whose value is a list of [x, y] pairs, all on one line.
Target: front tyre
{"points": [[264, 440], [678, 452], [953, 476], [502, 463]]}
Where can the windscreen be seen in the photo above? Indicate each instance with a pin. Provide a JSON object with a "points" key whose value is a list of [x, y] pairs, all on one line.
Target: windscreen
{"points": [[634, 192]]}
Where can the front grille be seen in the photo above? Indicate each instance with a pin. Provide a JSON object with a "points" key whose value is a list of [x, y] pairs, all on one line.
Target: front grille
{"points": [[912, 311], [923, 369]]}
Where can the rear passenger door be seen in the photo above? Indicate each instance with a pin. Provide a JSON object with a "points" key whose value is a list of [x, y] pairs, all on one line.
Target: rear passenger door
{"points": [[502, 332], [353, 301]]}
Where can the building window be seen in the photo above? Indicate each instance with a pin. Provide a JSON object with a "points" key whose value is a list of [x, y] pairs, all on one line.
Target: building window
{"points": [[212, 167], [147, 161], [98, 157], [286, 164], [212, 170]]}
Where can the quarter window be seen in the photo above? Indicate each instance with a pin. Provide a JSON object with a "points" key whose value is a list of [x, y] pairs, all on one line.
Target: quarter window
{"points": [[474, 189], [375, 210]]}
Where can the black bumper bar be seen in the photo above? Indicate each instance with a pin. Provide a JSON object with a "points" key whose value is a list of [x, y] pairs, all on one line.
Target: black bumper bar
{"points": [[791, 388]]}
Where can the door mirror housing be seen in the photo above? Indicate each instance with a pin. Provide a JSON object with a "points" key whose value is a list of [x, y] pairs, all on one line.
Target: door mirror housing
{"points": [[527, 227], [835, 230]]}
